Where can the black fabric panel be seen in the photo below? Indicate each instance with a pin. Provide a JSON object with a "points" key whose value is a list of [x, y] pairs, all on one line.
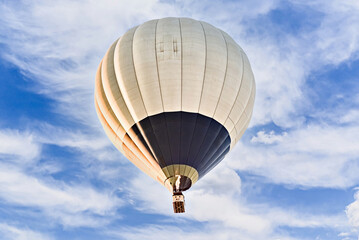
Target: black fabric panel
{"points": [[213, 132], [173, 122], [218, 150], [200, 131], [188, 124], [146, 129], [185, 138], [214, 163], [139, 135], [160, 131]]}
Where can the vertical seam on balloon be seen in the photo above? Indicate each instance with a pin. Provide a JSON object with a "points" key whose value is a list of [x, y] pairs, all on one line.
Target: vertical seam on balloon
{"points": [[246, 105], [134, 69], [204, 137], [205, 66], [158, 72], [215, 163], [248, 117], [209, 157], [180, 128], [244, 127], [168, 138], [234, 103], [195, 124], [111, 92], [107, 105], [225, 75], [214, 139], [240, 119], [180, 28]]}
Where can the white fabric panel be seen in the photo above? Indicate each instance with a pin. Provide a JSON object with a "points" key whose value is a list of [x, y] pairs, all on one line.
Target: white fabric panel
{"points": [[243, 121], [238, 127], [231, 83], [250, 104], [112, 91], [168, 50], [229, 125], [244, 92], [193, 63], [216, 61], [126, 76], [144, 58], [241, 132], [105, 107]]}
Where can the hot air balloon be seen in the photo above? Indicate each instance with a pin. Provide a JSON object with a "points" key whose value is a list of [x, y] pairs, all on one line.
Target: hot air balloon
{"points": [[174, 96]]}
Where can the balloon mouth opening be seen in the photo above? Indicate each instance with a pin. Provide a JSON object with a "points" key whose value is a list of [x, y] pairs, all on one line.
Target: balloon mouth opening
{"points": [[178, 202], [179, 183]]}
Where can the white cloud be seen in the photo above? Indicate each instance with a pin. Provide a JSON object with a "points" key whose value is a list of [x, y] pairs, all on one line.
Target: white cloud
{"points": [[220, 203], [60, 44], [351, 117], [72, 205], [9, 232], [267, 138], [352, 212], [315, 156], [282, 64], [20, 144], [212, 232]]}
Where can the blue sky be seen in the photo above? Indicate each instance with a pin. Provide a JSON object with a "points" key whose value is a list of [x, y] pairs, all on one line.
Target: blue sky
{"points": [[294, 175]]}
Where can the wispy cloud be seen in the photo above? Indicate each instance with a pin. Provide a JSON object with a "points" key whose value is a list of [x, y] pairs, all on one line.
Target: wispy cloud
{"points": [[71, 205], [224, 206], [352, 212], [23, 182], [268, 138], [314, 156], [58, 46], [22, 145], [9, 232]]}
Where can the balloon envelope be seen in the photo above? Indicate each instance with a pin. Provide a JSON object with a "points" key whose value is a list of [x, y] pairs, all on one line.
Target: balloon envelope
{"points": [[174, 95]]}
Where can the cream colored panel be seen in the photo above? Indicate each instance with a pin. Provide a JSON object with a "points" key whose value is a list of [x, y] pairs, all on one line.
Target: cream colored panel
{"points": [[180, 169], [193, 63], [108, 130], [144, 57], [242, 123], [250, 104], [244, 128], [231, 83], [187, 169], [216, 61], [176, 168], [123, 148], [193, 175], [112, 90], [229, 124], [166, 172], [243, 94], [233, 135], [156, 174], [135, 139], [135, 150], [105, 106], [126, 76], [239, 125], [244, 120], [168, 48]]}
